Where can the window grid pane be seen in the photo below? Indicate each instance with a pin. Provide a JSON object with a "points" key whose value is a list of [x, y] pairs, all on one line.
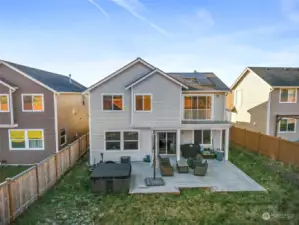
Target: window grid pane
{"points": [[197, 107], [139, 102], [283, 125], [291, 95], [27, 101], [147, 103], [3, 103], [117, 102], [107, 102], [37, 103]]}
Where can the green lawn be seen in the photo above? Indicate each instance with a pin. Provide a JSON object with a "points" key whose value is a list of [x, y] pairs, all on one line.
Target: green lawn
{"points": [[10, 171], [71, 202]]}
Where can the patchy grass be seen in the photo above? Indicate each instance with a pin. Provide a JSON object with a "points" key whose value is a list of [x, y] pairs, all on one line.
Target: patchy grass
{"points": [[71, 202], [10, 171]]}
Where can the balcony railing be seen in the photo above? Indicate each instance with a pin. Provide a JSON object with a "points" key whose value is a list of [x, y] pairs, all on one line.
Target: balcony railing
{"points": [[197, 114]]}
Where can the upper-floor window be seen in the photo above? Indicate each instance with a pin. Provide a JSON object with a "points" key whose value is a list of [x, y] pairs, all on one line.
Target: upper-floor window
{"points": [[143, 102], [287, 125], [238, 97], [197, 107], [4, 107], [26, 139], [113, 102], [288, 95], [32, 102], [63, 137]]}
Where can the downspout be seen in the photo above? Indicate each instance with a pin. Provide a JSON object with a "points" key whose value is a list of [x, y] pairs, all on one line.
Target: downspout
{"points": [[132, 107], [269, 112]]}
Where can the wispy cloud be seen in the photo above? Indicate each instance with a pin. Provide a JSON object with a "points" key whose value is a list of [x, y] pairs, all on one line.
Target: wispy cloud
{"points": [[100, 8], [133, 7], [205, 16], [291, 9]]}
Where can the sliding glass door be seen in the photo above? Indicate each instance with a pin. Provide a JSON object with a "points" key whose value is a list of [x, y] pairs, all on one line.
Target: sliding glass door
{"points": [[166, 143]]}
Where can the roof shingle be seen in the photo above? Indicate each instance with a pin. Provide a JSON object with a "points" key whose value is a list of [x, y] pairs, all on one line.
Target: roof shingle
{"points": [[57, 82]]}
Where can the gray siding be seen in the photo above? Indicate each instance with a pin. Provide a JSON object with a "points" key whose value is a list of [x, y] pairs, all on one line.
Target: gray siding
{"points": [[166, 105], [283, 109]]}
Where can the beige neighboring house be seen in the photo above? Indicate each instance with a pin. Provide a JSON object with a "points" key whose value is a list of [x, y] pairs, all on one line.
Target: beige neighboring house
{"points": [[265, 99]]}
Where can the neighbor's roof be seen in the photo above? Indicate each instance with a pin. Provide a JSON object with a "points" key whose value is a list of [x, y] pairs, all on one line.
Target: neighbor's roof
{"points": [[56, 82], [278, 76], [205, 81]]}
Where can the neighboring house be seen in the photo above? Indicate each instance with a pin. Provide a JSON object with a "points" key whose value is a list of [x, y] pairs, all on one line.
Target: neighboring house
{"points": [[139, 107], [40, 113], [265, 99]]}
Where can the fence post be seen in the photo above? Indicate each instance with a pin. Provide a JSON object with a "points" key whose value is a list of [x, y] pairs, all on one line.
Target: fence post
{"points": [[86, 142], [244, 138], [80, 150], [37, 179], [10, 199], [70, 155], [56, 165]]}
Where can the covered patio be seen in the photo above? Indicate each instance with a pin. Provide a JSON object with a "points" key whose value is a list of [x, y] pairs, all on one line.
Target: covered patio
{"points": [[221, 176]]}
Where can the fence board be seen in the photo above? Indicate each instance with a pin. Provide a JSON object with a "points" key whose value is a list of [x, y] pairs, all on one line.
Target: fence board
{"points": [[83, 144], [64, 159], [24, 190], [252, 141], [75, 151], [46, 174], [4, 204], [289, 152]]}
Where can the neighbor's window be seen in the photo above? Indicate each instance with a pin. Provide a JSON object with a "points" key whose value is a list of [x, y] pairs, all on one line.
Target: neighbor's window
{"points": [[26, 139], [143, 102], [33, 102], [203, 137], [130, 140], [112, 102], [4, 103], [287, 125], [63, 139], [113, 140], [197, 107], [288, 95]]}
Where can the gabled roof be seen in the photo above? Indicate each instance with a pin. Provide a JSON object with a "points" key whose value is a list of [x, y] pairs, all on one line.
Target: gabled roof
{"points": [[278, 76], [137, 60], [52, 81], [140, 79], [201, 81], [274, 76]]}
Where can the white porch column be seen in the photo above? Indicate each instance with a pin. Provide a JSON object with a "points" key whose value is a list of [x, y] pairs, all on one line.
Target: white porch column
{"points": [[178, 144], [226, 149], [221, 147], [156, 149]]}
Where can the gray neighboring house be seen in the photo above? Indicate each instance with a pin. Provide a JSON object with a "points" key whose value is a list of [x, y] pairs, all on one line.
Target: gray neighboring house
{"points": [[40, 113], [265, 99], [139, 109]]}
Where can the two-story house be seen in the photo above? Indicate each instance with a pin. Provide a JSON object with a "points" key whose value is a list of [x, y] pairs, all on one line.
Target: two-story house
{"points": [[139, 108], [40, 113], [265, 99]]}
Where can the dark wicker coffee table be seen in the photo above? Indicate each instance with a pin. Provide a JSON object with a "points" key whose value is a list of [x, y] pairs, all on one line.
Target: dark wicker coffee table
{"points": [[182, 166]]}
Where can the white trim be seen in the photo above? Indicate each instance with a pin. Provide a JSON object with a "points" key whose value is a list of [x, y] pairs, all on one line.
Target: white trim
{"points": [[285, 86], [90, 131], [268, 112], [287, 132], [8, 125], [178, 144], [153, 72], [27, 76], [193, 136], [119, 71], [206, 91], [62, 136], [7, 85], [8, 102], [32, 94], [243, 74], [288, 94], [122, 141], [12, 119], [112, 94], [226, 148], [191, 95], [132, 106], [55, 121], [225, 114], [26, 140], [221, 140], [143, 94]]}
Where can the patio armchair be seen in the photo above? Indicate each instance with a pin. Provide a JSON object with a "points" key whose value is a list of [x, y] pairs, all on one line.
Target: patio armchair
{"points": [[165, 166], [200, 167]]}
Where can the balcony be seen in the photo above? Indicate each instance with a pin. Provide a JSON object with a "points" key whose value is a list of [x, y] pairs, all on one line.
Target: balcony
{"points": [[197, 114]]}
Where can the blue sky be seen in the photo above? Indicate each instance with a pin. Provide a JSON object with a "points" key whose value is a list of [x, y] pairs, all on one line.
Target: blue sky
{"points": [[92, 38]]}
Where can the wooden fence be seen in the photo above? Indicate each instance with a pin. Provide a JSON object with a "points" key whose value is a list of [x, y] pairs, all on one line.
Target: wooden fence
{"points": [[273, 147], [17, 193]]}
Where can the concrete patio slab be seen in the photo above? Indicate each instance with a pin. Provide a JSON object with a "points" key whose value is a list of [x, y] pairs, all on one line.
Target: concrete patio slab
{"points": [[221, 177]]}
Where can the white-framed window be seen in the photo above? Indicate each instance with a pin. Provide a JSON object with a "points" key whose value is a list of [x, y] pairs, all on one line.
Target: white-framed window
{"points": [[288, 95], [32, 102], [238, 97], [63, 137], [4, 103], [20, 139], [198, 107], [203, 137], [112, 102], [143, 102], [131, 140], [121, 140], [287, 125]]}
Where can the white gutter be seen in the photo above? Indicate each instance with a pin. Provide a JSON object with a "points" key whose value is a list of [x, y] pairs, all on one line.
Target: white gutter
{"points": [[268, 112]]}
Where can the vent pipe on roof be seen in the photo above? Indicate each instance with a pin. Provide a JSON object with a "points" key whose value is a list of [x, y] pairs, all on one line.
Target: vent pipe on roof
{"points": [[195, 71], [70, 78]]}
